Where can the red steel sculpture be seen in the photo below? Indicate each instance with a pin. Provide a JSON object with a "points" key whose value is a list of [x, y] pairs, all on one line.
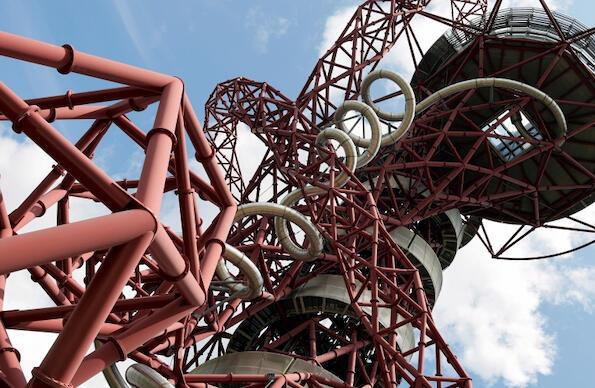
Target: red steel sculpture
{"points": [[322, 268]]}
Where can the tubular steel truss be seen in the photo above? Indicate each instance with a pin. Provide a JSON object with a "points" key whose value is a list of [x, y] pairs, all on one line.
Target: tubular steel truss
{"points": [[129, 247], [347, 305]]}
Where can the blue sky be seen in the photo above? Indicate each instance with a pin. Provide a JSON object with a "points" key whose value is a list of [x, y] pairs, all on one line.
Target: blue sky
{"points": [[206, 42]]}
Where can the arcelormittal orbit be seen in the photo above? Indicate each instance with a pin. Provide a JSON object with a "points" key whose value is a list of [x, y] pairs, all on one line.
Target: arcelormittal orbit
{"points": [[321, 269]]}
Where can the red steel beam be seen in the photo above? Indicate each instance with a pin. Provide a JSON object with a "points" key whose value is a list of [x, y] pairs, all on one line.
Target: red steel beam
{"points": [[22, 251]]}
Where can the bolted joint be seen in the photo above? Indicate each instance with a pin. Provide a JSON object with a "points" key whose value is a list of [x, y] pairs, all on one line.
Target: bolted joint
{"points": [[11, 350], [68, 97], [165, 131], [176, 278], [117, 346], [51, 115], [18, 124], [135, 106], [47, 380], [202, 159], [185, 192], [59, 169], [43, 208], [69, 65], [216, 241], [37, 279]]}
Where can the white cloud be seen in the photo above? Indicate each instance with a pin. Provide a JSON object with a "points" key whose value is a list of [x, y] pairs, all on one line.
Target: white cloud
{"points": [[333, 27], [490, 312], [18, 159], [264, 27], [491, 309], [250, 150]]}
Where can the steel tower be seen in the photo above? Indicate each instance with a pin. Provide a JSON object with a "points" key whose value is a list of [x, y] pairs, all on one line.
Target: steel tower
{"points": [[323, 267]]}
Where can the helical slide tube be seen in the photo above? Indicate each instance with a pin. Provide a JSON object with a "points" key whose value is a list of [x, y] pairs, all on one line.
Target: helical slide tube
{"points": [[497, 83], [139, 375], [374, 142], [283, 213], [286, 213], [406, 117], [351, 161], [247, 267], [142, 376], [477, 83]]}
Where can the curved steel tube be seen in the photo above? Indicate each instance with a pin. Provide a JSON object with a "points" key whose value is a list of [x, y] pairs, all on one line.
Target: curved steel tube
{"points": [[247, 267], [447, 91], [406, 117], [351, 162], [373, 144], [284, 212], [142, 376]]}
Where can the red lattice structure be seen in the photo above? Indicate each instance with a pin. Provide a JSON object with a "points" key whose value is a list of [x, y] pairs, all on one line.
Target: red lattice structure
{"points": [[248, 300]]}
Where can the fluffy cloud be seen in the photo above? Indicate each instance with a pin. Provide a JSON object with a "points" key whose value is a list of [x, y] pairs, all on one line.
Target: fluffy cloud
{"points": [[490, 310], [333, 27]]}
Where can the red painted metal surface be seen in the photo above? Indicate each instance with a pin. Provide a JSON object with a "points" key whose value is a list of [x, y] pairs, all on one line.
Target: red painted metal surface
{"points": [[119, 242], [175, 305]]}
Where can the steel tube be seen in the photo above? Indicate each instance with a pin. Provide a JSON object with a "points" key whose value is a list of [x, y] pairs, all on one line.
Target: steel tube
{"points": [[57, 325], [199, 184], [206, 154], [40, 276], [22, 251], [186, 198], [174, 266], [215, 245], [44, 202], [10, 367], [77, 113], [83, 143], [97, 112], [159, 146], [132, 337], [70, 99], [13, 317], [152, 183], [66, 59], [51, 141], [43, 186], [67, 352]]}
